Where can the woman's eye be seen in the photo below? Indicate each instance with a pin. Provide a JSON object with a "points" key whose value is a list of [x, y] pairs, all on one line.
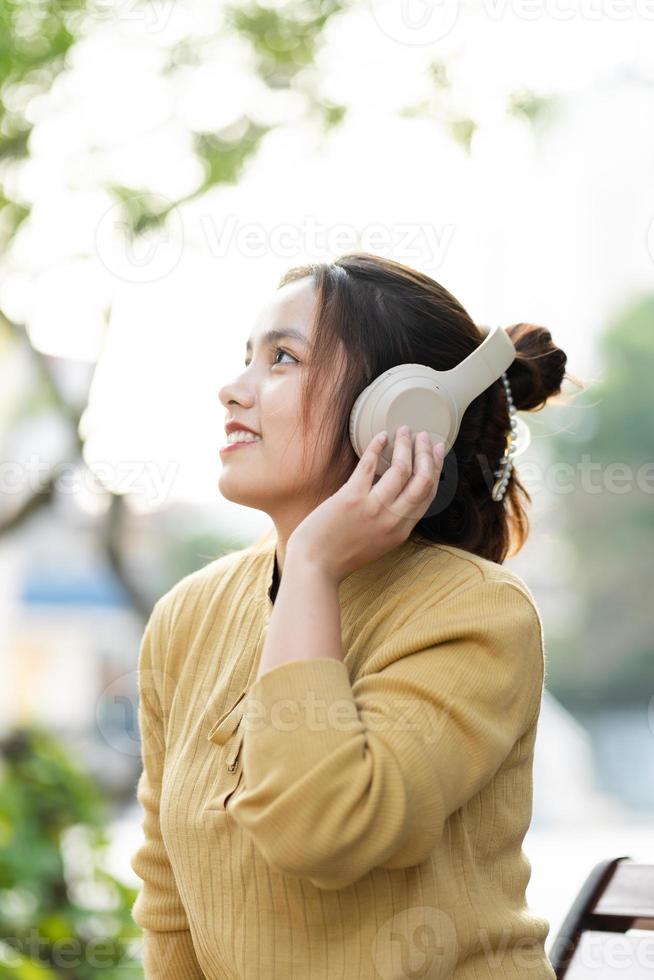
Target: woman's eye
{"points": [[278, 350]]}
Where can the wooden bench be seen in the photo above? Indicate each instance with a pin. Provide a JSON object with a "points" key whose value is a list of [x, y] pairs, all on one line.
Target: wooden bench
{"points": [[595, 940]]}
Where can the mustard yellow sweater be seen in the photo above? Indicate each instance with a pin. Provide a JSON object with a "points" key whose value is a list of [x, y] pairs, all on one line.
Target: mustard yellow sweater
{"points": [[341, 820]]}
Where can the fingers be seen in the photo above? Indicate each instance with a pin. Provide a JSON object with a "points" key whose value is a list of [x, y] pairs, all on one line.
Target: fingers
{"points": [[412, 479], [422, 487], [396, 475], [365, 471], [402, 459], [399, 472], [424, 472]]}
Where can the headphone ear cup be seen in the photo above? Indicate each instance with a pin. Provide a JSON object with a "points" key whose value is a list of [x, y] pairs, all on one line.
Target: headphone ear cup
{"points": [[358, 427], [356, 435], [365, 417], [398, 397], [353, 416]]}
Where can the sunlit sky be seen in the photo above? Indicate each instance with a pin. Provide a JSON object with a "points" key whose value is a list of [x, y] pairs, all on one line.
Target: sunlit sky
{"points": [[549, 226]]}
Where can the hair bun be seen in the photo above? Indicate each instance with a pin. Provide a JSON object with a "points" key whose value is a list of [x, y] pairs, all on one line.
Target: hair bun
{"points": [[538, 370]]}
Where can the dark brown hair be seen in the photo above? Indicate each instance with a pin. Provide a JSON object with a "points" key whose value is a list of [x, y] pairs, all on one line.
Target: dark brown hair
{"points": [[379, 313]]}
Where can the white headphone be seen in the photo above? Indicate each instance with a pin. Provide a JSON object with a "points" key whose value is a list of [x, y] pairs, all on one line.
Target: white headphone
{"points": [[424, 399]]}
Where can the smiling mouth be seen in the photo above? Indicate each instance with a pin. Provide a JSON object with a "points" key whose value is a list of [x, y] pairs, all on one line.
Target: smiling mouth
{"points": [[239, 444]]}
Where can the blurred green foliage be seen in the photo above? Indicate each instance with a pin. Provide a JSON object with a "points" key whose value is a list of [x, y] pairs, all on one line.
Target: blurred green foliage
{"points": [[34, 41], [62, 914], [607, 655], [284, 40]]}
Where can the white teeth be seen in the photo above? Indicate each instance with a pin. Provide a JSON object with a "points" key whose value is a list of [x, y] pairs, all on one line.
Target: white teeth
{"points": [[242, 436]]}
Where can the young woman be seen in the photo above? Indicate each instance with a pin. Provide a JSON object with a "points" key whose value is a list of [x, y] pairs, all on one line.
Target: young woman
{"points": [[338, 722]]}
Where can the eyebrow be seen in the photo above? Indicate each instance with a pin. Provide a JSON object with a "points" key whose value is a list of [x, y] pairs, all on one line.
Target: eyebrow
{"points": [[272, 335]]}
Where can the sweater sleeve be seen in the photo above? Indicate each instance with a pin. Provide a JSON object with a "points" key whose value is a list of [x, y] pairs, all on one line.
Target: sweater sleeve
{"points": [[168, 952], [341, 778]]}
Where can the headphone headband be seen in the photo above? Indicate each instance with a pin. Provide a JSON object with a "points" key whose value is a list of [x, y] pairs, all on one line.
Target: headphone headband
{"points": [[479, 370]]}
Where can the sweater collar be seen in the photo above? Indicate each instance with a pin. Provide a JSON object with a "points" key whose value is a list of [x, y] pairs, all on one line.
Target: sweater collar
{"points": [[265, 548]]}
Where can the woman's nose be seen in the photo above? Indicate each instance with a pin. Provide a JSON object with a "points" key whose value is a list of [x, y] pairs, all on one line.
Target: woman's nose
{"points": [[235, 391]]}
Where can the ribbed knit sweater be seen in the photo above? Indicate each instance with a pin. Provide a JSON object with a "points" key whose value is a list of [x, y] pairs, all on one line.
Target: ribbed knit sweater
{"points": [[341, 820]]}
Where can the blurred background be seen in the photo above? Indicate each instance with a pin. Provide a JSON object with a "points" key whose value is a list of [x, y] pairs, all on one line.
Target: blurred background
{"points": [[161, 165]]}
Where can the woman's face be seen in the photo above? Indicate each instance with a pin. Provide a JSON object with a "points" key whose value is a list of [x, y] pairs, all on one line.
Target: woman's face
{"points": [[269, 474]]}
